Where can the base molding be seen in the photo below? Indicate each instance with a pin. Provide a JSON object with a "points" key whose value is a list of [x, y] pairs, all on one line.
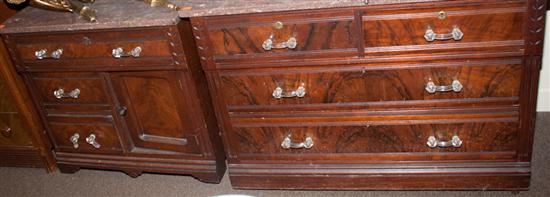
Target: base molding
{"points": [[20, 157], [456, 176], [204, 170]]}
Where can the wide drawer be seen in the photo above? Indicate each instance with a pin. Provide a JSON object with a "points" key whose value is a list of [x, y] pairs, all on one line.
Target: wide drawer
{"points": [[371, 83], [84, 135], [456, 141], [99, 49], [444, 28], [70, 88], [282, 36]]}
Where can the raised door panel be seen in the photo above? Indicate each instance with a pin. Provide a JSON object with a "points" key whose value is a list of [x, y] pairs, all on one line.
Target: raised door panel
{"points": [[157, 115]]}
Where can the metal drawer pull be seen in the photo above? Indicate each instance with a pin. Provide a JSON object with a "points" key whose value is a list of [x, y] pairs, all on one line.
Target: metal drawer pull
{"points": [[456, 34], [43, 54], [435, 143], [60, 93], [279, 93], [119, 53], [288, 144], [7, 132], [92, 141], [122, 111], [74, 140], [456, 86], [268, 44]]}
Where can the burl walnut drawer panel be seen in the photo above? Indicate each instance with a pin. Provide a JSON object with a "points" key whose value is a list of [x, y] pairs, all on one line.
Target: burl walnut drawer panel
{"points": [[139, 47], [84, 134], [282, 35], [424, 81], [70, 88], [12, 132], [444, 28], [404, 142]]}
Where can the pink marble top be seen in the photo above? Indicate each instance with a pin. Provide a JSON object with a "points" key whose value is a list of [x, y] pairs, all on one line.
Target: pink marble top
{"points": [[134, 13]]}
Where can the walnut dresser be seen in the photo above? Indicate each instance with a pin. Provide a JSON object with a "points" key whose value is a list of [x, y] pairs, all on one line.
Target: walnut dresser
{"points": [[390, 95], [22, 140], [126, 93]]}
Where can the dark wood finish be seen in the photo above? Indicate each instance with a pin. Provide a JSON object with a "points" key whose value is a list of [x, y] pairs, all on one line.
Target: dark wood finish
{"points": [[362, 83], [149, 113], [366, 108], [22, 139]]}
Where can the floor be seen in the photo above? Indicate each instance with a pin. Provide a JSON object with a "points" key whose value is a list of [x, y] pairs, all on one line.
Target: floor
{"points": [[35, 182]]}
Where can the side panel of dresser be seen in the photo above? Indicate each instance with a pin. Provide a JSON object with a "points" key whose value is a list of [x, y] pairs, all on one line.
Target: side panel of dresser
{"points": [[23, 141]]}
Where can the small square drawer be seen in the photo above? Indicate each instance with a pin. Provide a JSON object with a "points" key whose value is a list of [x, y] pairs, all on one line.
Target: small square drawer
{"points": [[444, 28], [12, 132], [96, 49], [70, 88], [84, 134], [282, 36]]}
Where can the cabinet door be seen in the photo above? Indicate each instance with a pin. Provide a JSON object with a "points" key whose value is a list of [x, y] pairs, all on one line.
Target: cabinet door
{"points": [[159, 112]]}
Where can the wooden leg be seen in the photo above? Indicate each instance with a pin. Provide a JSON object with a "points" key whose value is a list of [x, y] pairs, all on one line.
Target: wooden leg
{"points": [[133, 173], [67, 169], [208, 177]]}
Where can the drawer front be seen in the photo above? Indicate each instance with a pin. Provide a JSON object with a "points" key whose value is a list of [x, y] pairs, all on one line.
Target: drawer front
{"points": [[379, 142], [444, 28], [84, 135], [95, 49], [368, 84], [12, 132], [70, 88], [282, 35]]}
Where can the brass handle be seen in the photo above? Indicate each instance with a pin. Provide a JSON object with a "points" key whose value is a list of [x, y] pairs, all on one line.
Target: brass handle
{"points": [[74, 139], [43, 54], [456, 86], [119, 52], [288, 144], [433, 142], [7, 132], [91, 139], [60, 93], [279, 93], [456, 34]]}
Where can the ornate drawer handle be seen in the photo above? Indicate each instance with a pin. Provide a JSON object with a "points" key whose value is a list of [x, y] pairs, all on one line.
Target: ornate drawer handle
{"points": [[119, 53], [43, 54], [122, 111], [60, 93], [268, 44], [434, 143], [7, 132], [279, 93], [74, 140], [456, 34], [288, 144], [91, 139], [455, 87]]}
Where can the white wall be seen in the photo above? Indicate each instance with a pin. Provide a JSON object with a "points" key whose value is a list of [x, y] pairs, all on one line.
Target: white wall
{"points": [[544, 92]]}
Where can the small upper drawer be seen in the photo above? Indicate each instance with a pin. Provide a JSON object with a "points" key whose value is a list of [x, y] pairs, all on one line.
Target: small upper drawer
{"points": [[379, 142], [279, 36], [370, 83], [444, 28], [70, 88], [84, 135], [80, 50]]}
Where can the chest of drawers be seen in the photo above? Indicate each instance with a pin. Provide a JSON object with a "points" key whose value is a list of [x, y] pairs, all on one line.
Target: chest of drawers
{"points": [[436, 95], [129, 99]]}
